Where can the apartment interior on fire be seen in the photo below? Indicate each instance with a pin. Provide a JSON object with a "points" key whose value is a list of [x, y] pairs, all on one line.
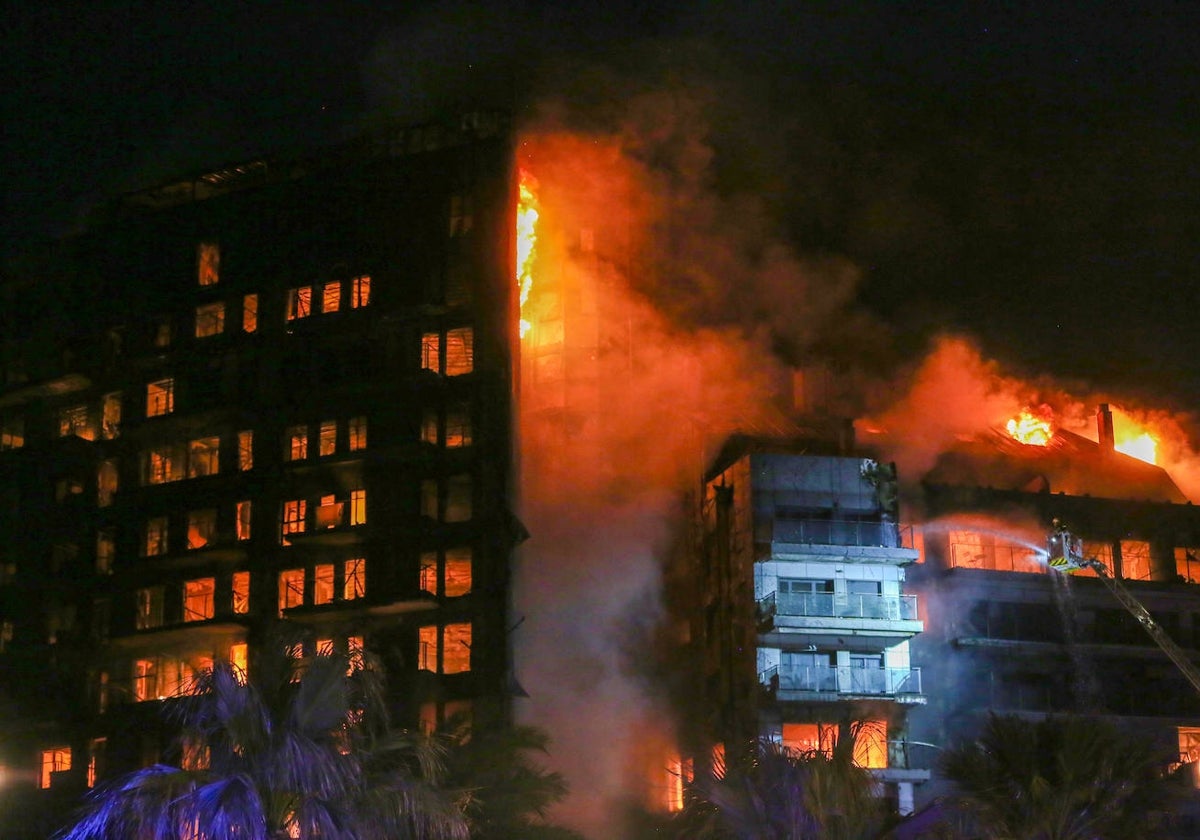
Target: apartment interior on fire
{"points": [[1004, 633], [797, 614], [276, 390]]}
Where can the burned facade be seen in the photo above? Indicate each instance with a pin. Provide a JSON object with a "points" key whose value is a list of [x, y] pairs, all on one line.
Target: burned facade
{"points": [[1004, 633], [282, 389]]}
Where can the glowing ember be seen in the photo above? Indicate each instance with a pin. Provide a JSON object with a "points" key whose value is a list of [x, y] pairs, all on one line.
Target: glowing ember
{"points": [[527, 218], [1030, 429]]}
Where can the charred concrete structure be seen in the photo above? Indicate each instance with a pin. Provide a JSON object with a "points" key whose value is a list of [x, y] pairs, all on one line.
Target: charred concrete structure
{"points": [[278, 389], [798, 619], [1003, 633]]}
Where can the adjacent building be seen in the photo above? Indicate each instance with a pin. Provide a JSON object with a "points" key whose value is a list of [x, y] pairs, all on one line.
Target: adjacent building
{"points": [[281, 389]]}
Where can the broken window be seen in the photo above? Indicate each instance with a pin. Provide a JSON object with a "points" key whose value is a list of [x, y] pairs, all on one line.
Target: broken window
{"points": [[294, 516], [1135, 560], [1187, 563], [1101, 551], [145, 679], [354, 577], [54, 760], [106, 551], [156, 537], [198, 599], [458, 499], [208, 263], [250, 313], [204, 457], [1189, 744], [358, 433], [12, 433], [245, 450], [431, 352], [210, 319], [354, 653], [427, 648], [457, 579], [97, 748], [202, 528], [162, 464], [106, 482], [456, 653], [160, 397], [327, 439], [360, 291], [329, 512], [358, 507], [240, 660], [323, 584], [291, 589], [73, 420], [458, 427], [110, 415], [149, 608], [240, 586], [429, 572], [460, 351], [331, 297], [296, 447], [242, 514], [299, 303]]}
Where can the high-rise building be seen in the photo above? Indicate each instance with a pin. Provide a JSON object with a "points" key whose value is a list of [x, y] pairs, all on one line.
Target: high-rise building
{"points": [[281, 389]]}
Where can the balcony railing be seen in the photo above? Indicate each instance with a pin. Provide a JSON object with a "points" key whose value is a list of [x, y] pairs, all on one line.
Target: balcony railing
{"points": [[842, 532], [829, 605], [875, 682]]}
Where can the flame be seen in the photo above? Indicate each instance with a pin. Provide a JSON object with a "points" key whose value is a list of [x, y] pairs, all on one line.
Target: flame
{"points": [[1132, 438], [1030, 429], [527, 219]]}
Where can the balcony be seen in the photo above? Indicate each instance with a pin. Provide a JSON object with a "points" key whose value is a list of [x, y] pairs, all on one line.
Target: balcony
{"points": [[810, 618], [825, 683], [827, 604], [843, 532]]}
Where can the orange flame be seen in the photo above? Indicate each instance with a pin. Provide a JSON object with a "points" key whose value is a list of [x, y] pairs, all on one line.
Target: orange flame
{"points": [[1030, 429], [527, 219], [1133, 439]]}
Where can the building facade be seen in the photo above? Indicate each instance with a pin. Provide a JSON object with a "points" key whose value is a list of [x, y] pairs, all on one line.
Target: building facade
{"points": [[283, 389]]}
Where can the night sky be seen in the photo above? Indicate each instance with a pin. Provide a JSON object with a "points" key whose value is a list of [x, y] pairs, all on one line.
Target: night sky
{"points": [[1023, 172]]}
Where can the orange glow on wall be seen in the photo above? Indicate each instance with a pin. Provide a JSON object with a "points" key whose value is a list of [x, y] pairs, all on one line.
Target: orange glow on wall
{"points": [[527, 219]]}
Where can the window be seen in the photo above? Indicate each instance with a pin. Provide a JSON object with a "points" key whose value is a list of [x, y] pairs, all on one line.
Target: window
{"points": [[329, 512], [202, 528], [296, 446], [250, 313], [429, 572], [294, 516], [1135, 560], [198, 599], [458, 499], [1187, 563], [327, 439], [299, 303], [54, 760], [331, 297], [291, 589], [358, 433], [427, 648], [156, 537], [360, 291], [97, 747], [204, 457], [208, 263], [429, 498], [12, 433], [145, 679], [245, 450], [106, 551], [460, 351], [73, 420], [452, 656], [323, 584], [429, 427], [242, 526], [354, 576], [431, 356], [163, 333], [149, 608], [1189, 743], [241, 592], [163, 463], [240, 660], [194, 754], [358, 507], [458, 572], [177, 676], [458, 427], [110, 415], [106, 482], [210, 319], [160, 397], [354, 653]]}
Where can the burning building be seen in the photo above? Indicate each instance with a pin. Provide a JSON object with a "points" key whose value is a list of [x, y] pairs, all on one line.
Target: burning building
{"points": [[281, 389]]}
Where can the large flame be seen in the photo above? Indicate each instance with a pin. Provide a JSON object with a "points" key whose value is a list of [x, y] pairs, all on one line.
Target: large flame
{"points": [[527, 218], [1132, 438], [1030, 429]]}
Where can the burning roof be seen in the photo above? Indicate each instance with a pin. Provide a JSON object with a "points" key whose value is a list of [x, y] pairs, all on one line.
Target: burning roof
{"points": [[1067, 463]]}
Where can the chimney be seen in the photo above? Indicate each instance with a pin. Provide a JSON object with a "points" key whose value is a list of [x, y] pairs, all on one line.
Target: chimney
{"points": [[1104, 428]]}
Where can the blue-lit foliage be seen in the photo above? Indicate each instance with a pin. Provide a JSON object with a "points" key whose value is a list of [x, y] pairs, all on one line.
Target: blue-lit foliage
{"points": [[280, 757]]}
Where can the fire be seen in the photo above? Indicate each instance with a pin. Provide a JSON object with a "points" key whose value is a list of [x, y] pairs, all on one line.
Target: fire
{"points": [[1133, 439], [527, 219], [1030, 429]]}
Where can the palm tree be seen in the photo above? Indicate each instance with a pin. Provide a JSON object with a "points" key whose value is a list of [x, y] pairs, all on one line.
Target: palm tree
{"points": [[777, 793], [301, 749], [1060, 778]]}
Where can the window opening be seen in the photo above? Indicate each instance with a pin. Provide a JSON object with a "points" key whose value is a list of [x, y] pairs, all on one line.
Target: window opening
{"points": [[243, 513], [145, 679], [160, 397], [429, 426], [354, 575], [297, 443], [358, 433], [208, 263], [73, 420], [245, 450], [204, 457], [358, 507], [299, 303], [429, 572], [360, 291], [210, 319], [149, 608], [460, 351], [12, 433], [329, 512], [331, 297], [97, 748], [202, 528], [323, 584], [241, 592], [106, 551], [458, 572], [458, 427], [327, 439], [198, 599], [106, 482], [294, 515], [456, 656], [458, 498], [291, 589], [156, 536], [110, 415], [54, 760]]}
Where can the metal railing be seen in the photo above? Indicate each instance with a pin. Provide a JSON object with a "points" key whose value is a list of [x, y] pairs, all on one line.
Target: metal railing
{"points": [[830, 605], [881, 682], [842, 532]]}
